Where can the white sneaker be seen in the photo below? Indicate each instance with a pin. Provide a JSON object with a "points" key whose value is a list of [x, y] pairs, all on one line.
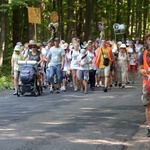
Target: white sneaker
{"points": [[63, 88], [51, 89], [71, 85], [75, 89]]}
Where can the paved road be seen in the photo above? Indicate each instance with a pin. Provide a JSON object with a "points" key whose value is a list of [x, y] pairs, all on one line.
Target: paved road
{"points": [[72, 120]]}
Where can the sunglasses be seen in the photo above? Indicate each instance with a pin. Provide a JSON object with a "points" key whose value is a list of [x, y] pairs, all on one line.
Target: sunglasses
{"points": [[33, 47]]}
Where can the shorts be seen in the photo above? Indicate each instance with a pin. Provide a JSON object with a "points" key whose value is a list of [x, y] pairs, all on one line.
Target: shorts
{"points": [[64, 75], [83, 75], [145, 96], [104, 72], [133, 67]]}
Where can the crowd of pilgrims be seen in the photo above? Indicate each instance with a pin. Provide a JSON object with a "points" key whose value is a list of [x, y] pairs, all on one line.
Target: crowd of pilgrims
{"points": [[80, 65]]}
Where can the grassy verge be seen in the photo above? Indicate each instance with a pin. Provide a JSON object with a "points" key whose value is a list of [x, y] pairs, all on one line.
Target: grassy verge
{"points": [[6, 83]]}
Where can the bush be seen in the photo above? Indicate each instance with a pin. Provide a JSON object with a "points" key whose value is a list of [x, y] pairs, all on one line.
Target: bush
{"points": [[6, 82]]}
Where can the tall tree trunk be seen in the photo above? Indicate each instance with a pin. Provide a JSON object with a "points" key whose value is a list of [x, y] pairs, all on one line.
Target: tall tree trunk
{"points": [[16, 26], [70, 25], [3, 32], [138, 18], [88, 17]]}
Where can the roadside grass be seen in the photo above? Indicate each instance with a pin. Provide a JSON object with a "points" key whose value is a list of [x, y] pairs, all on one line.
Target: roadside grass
{"points": [[6, 83], [6, 80]]}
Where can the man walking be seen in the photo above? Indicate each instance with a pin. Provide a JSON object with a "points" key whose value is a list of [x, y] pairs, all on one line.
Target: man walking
{"points": [[55, 57], [103, 61]]}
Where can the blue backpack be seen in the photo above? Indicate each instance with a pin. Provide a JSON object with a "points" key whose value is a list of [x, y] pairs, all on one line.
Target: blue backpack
{"points": [[27, 73]]}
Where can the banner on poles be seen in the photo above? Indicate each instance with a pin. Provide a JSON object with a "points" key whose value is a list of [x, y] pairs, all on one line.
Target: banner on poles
{"points": [[34, 15]]}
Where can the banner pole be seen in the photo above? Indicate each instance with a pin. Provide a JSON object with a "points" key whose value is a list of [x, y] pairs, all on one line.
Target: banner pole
{"points": [[35, 34]]}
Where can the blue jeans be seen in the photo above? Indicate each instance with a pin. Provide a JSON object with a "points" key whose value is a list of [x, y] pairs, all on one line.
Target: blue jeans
{"points": [[55, 70]]}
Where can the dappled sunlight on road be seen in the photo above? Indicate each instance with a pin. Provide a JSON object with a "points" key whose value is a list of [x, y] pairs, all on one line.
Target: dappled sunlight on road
{"points": [[100, 141]]}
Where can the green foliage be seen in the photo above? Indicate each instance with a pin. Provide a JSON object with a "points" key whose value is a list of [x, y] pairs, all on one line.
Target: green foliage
{"points": [[6, 82], [4, 7], [5, 70]]}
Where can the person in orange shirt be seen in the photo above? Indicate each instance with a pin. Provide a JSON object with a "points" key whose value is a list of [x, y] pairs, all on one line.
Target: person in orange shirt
{"points": [[104, 58], [144, 70]]}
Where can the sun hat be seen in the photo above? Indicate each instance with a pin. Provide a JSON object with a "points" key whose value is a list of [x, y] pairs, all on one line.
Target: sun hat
{"points": [[17, 48], [32, 43], [64, 46], [19, 43], [119, 43], [122, 46]]}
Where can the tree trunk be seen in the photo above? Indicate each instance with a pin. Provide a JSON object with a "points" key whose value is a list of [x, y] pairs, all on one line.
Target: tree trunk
{"points": [[3, 32], [70, 25], [88, 18]]}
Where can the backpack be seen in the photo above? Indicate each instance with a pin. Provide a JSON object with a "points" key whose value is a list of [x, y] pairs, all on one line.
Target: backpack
{"points": [[27, 73]]}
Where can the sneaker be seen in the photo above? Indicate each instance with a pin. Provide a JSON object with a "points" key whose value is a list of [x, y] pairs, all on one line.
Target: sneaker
{"points": [[57, 90], [15, 93], [71, 84], [75, 89], [105, 89], [63, 88], [119, 85], [51, 89], [148, 134], [85, 92]]}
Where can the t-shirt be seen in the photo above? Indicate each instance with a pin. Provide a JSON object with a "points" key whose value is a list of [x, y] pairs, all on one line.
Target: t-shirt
{"points": [[92, 55], [105, 55], [132, 58], [15, 59], [73, 56], [66, 67], [84, 60], [138, 49], [56, 54]]}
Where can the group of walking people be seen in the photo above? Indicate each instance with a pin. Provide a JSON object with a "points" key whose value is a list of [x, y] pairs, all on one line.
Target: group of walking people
{"points": [[86, 65], [83, 65]]}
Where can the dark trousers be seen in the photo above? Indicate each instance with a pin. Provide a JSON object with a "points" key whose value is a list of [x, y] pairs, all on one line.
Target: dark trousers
{"points": [[92, 78]]}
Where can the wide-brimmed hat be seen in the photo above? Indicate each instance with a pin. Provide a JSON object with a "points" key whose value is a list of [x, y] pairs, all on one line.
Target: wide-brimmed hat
{"points": [[17, 48], [119, 43], [122, 46], [32, 43], [19, 43], [64, 46]]}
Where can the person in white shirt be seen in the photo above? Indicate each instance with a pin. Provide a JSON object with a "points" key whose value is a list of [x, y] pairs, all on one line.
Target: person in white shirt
{"points": [[83, 73], [56, 57], [92, 68], [122, 65], [66, 66], [74, 53], [133, 60], [138, 47]]}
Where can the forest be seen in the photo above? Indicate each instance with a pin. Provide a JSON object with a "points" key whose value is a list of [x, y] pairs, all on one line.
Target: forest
{"points": [[78, 18]]}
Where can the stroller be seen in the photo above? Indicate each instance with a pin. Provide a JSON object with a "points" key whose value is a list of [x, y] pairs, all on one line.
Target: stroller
{"points": [[29, 79]]}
